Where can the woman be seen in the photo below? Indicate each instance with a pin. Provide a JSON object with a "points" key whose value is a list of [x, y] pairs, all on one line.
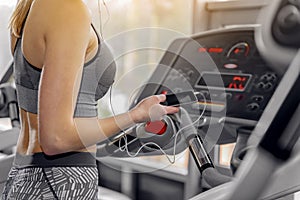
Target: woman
{"points": [[61, 69]]}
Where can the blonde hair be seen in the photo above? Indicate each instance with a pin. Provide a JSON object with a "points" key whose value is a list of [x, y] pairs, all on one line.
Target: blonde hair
{"points": [[18, 17]]}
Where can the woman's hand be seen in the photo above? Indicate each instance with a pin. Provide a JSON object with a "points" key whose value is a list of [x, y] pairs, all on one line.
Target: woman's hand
{"points": [[150, 109]]}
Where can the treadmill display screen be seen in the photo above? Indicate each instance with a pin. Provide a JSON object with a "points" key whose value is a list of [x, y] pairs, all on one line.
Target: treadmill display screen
{"points": [[227, 81]]}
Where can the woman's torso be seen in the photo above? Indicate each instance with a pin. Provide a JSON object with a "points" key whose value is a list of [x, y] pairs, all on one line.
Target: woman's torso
{"points": [[33, 45]]}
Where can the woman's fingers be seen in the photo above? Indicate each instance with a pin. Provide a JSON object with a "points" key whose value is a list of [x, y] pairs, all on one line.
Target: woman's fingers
{"points": [[171, 109], [156, 112], [151, 109], [161, 97], [168, 109]]}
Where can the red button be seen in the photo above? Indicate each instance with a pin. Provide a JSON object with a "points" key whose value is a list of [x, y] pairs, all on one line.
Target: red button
{"points": [[156, 127], [164, 92]]}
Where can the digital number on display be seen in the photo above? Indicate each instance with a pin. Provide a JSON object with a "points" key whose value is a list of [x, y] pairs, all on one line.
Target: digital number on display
{"points": [[226, 81]]}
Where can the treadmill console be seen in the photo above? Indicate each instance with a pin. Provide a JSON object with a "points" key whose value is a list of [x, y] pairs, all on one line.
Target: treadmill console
{"points": [[223, 65]]}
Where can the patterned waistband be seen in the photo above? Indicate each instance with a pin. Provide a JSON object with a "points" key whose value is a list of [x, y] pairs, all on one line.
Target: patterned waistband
{"points": [[70, 159]]}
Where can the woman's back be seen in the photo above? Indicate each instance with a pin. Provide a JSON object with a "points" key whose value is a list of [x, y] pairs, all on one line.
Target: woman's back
{"points": [[33, 48]]}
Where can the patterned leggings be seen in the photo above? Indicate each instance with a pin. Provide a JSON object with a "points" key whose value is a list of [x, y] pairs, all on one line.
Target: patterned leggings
{"points": [[55, 183]]}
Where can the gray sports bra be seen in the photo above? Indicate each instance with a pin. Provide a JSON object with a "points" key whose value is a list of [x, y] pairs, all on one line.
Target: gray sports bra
{"points": [[98, 75]]}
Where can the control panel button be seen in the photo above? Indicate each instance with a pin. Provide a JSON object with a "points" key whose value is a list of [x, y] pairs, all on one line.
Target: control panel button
{"points": [[252, 107], [268, 77], [264, 77], [268, 86], [257, 98], [260, 85], [156, 127], [230, 66], [272, 77], [267, 81]]}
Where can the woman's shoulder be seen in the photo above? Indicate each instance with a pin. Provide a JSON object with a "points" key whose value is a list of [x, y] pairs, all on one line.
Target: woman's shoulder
{"points": [[51, 11]]}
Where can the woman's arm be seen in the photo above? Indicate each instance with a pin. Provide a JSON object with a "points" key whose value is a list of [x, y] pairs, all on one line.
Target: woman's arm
{"points": [[66, 40], [90, 130]]}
